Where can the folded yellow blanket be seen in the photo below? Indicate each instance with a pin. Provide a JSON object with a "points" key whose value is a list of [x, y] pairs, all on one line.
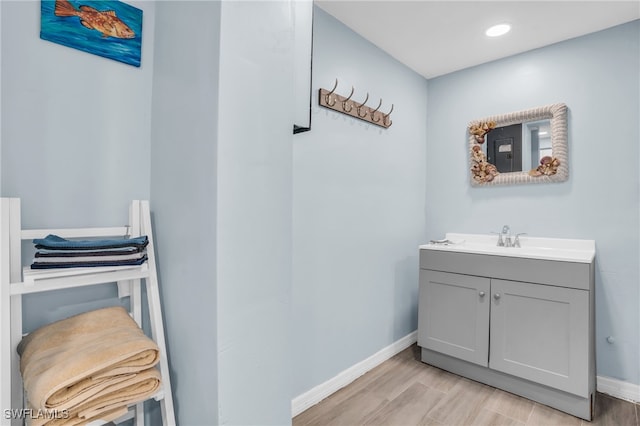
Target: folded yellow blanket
{"points": [[87, 365], [109, 405]]}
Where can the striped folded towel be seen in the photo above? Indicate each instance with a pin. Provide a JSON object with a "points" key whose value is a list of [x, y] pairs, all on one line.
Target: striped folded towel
{"points": [[54, 242], [57, 252]]}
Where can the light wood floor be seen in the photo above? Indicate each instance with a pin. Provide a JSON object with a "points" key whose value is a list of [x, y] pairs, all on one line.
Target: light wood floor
{"points": [[403, 391]]}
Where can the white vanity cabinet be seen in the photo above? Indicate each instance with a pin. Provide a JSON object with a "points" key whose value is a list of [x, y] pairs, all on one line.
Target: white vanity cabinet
{"points": [[522, 324]]}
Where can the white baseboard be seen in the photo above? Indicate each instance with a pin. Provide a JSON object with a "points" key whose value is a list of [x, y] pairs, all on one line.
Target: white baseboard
{"points": [[613, 387], [323, 390], [618, 388]]}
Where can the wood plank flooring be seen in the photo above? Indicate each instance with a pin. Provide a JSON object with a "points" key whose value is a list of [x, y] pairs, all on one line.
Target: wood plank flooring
{"points": [[403, 391]]}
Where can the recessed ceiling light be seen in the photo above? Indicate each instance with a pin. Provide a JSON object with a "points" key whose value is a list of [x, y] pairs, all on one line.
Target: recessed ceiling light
{"points": [[498, 30]]}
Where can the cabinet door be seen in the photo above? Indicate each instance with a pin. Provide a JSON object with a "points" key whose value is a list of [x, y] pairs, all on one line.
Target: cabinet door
{"points": [[541, 333], [453, 315]]}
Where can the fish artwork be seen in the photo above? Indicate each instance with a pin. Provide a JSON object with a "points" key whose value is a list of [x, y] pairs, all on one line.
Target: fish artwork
{"points": [[108, 28], [106, 22]]}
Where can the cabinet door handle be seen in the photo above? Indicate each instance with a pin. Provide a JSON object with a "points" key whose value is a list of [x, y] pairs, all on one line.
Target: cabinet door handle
{"points": [[481, 294], [496, 296]]}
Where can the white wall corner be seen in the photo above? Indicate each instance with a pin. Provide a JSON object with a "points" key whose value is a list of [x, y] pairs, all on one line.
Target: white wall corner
{"points": [[323, 390], [618, 388]]}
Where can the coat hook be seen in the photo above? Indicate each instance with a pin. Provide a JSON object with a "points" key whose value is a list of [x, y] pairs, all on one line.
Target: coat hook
{"points": [[386, 120], [373, 113], [327, 97], [349, 106], [344, 103], [361, 105]]}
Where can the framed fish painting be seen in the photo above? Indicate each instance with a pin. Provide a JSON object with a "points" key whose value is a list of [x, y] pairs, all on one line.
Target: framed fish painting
{"points": [[107, 28]]}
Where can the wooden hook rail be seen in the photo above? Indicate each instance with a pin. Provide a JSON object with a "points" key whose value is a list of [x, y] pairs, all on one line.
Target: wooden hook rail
{"points": [[345, 105]]}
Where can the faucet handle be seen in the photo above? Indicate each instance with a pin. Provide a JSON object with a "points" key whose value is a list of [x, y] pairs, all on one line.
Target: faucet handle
{"points": [[516, 242], [500, 241]]}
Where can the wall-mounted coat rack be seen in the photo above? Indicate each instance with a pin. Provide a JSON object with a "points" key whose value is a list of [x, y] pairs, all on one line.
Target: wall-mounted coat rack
{"points": [[330, 99]]}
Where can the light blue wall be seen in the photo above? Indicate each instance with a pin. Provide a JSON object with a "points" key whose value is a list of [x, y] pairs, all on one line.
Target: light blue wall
{"points": [[312, 261], [254, 178], [75, 137], [75, 140], [183, 198], [358, 210], [88, 134], [76, 126], [597, 76], [221, 195]]}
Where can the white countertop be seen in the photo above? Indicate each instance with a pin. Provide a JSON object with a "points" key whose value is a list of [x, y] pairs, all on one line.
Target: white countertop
{"points": [[558, 249]]}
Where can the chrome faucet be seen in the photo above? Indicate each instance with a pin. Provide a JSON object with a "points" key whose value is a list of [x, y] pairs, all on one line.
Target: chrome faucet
{"points": [[504, 238], [506, 233]]}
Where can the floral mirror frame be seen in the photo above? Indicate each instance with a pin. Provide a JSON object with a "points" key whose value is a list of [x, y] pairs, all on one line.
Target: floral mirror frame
{"points": [[551, 169]]}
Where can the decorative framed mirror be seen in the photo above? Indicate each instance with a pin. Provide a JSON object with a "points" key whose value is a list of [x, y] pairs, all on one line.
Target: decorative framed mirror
{"points": [[527, 146]]}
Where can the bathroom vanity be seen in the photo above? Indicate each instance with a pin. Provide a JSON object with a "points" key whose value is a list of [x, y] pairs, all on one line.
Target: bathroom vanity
{"points": [[519, 319]]}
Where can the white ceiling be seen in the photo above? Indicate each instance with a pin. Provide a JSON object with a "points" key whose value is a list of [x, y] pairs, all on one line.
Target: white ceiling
{"points": [[438, 37]]}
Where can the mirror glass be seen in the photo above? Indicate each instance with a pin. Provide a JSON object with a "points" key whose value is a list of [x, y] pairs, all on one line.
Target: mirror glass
{"points": [[518, 147], [523, 147]]}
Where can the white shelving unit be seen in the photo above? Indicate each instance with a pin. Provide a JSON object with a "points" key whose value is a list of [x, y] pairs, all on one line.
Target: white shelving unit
{"points": [[16, 281]]}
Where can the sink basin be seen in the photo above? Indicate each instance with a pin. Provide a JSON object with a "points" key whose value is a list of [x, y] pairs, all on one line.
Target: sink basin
{"points": [[567, 250]]}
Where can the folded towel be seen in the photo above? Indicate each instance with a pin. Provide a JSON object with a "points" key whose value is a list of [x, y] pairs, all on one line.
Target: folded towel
{"points": [[38, 418], [88, 365], [92, 258], [68, 420], [53, 242], [111, 404], [97, 262], [90, 252]]}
